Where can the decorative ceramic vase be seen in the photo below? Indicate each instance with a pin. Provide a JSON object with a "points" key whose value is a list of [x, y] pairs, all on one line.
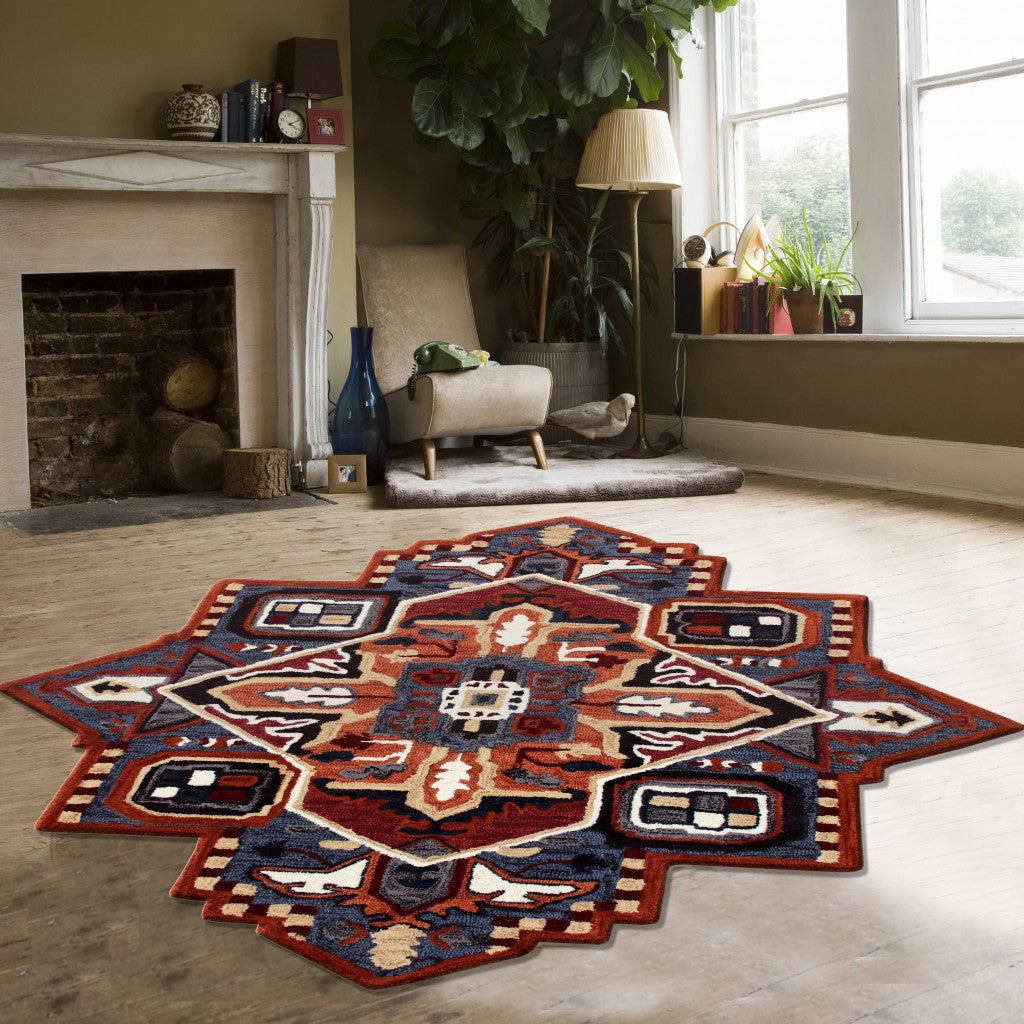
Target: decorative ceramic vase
{"points": [[804, 312], [360, 425], [193, 114]]}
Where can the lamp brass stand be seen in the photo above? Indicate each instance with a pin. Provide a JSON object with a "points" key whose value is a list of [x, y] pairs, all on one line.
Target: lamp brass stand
{"points": [[632, 150], [641, 447]]}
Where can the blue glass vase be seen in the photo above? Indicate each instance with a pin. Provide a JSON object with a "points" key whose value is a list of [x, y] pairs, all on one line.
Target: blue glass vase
{"points": [[360, 424]]}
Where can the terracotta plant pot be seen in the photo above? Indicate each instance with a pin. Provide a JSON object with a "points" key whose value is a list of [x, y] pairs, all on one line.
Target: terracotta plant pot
{"points": [[804, 312]]}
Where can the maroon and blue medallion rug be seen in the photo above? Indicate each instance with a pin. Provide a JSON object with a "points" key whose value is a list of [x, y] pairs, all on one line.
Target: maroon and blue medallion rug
{"points": [[487, 743]]}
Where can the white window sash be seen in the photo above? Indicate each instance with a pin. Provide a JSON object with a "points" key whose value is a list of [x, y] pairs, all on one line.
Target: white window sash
{"points": [[990, 314]]}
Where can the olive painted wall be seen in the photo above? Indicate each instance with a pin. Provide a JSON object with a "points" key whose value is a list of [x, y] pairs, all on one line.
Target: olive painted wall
{"points": [[105, 68], [407, 194], [410, 194], [947, 390]]}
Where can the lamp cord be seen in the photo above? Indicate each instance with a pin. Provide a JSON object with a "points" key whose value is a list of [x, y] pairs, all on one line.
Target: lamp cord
{"points": [[680, 388]]}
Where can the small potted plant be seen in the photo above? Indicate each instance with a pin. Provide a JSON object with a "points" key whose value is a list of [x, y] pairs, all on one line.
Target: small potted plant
{"points": [[807, 277]]}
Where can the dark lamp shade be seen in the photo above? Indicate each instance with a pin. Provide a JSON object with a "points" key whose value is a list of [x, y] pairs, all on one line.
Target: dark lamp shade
{"points": [[310, 68]]}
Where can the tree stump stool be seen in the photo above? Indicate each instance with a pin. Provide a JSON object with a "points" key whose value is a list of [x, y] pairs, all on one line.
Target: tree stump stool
{"points": [[257, 473]]}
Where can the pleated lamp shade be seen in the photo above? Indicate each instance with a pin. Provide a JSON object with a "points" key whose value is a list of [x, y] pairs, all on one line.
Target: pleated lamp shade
{"points": [[632, 151]]}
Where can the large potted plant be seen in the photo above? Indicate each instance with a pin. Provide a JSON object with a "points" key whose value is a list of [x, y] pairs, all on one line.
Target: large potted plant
{"points": [[589, 276], [807, 277], [516, 86]]}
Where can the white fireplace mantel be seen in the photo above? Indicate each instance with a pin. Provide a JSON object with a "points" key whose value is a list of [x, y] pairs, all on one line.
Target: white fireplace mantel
{"points": [[301, 181]]}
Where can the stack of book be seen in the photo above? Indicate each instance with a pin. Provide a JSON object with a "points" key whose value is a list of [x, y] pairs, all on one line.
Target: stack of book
{"points": [[744, 307], [249, 110]]}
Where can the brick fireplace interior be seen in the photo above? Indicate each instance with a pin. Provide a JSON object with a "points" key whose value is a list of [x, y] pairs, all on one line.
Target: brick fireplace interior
{"points": [[88, 340]]}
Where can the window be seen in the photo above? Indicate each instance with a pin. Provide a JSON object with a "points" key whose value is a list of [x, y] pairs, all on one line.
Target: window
{"points": [[965, 91], [782, 96], [900, 118]]}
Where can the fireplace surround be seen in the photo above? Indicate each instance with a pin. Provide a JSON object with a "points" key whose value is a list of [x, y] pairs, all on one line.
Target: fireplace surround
{"points": [[111, 205]]}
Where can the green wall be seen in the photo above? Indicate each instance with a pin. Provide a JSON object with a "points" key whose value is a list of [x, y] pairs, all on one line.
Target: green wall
{"points": [[408, 195], [948, 390], [105, 69]]}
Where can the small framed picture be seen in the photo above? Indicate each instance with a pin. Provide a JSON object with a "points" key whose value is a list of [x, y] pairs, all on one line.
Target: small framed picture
{"points": [[346, 473], [850, 316], [326, 126]]}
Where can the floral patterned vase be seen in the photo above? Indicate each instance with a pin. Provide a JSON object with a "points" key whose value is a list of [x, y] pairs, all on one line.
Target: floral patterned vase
{"points": [[193, 114]]}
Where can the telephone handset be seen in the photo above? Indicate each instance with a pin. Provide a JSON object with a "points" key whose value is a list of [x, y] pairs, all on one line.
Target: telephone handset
{"points": [[439, 356], [442, 355]]}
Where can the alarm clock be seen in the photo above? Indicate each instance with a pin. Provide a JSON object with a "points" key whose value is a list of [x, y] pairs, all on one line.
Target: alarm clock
{"points": [[290, 125]]}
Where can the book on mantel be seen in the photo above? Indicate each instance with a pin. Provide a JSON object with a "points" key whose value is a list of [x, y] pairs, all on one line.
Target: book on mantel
{"points": [[251, 123]]}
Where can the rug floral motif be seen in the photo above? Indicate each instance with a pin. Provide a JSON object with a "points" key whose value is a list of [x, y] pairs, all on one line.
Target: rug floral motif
{"points": [[487, 743]]}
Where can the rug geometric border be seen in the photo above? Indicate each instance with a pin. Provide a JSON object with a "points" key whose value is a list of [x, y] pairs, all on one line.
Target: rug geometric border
{"points": [[488, 742]]}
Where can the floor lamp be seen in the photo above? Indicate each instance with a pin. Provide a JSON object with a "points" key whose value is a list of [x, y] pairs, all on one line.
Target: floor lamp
{"points": [[632, 151]]}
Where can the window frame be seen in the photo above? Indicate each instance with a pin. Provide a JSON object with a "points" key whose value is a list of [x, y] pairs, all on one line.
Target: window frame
{"points": [[884, 191], [917, 85], [731, 117]]}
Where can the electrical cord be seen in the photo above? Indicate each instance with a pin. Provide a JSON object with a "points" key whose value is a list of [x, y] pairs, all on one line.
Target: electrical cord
{"points": [[670, 441]]}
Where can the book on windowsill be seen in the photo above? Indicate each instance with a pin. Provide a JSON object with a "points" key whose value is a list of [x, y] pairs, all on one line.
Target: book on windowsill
{"points": [[745, 309], [737, 316]]}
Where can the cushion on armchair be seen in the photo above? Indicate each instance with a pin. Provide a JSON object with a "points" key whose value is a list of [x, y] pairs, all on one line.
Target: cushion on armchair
{"points": [[490, 400], [413, 294]]}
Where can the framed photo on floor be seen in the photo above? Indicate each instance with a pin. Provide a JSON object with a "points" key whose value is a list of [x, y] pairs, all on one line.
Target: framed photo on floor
{"points": [[346, 473]]}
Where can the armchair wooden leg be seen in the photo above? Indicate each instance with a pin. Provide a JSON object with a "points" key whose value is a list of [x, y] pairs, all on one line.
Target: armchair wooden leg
{"points": [[429, 451], [538, 449]]}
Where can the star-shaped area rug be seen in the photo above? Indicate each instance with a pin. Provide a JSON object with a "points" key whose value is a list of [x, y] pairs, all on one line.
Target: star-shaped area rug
{"points": [[487, 743]]}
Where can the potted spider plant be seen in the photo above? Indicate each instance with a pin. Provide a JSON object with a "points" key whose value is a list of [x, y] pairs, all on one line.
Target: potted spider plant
{"points": [[808, 277]]}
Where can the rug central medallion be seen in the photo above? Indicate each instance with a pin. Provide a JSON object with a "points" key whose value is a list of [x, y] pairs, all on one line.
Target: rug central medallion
{"points": [[488, 716]]}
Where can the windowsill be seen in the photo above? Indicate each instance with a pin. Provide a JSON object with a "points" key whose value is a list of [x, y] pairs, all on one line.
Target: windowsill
{"points": [[844, 339]]}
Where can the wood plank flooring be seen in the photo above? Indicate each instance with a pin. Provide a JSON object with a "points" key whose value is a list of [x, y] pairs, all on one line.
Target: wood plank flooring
{"points": [[930, 932]]}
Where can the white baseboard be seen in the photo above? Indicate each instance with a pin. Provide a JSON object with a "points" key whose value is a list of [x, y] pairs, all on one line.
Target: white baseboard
{"points": [[977, 472]]}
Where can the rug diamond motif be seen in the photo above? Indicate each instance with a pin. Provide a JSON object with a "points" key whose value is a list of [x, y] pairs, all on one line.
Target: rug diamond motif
{"points": [[489, 716], [489, 742]]}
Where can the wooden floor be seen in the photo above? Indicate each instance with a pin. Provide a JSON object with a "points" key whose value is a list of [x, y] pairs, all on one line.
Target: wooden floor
{"points": [[931, 932]]}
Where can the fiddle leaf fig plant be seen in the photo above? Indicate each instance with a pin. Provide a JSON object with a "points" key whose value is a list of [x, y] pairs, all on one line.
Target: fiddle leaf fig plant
{"points": [[517, 87]]}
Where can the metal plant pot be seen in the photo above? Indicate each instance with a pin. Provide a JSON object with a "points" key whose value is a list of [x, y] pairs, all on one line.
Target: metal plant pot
{"points": [[579, 370]]}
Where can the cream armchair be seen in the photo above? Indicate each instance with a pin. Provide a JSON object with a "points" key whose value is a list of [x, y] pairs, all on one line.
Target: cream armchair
{"points": [[412, 294]]}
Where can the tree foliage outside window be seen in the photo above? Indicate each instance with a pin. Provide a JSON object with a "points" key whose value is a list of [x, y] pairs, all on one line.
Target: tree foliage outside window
{"points": [[983, 214], [814, 175]]}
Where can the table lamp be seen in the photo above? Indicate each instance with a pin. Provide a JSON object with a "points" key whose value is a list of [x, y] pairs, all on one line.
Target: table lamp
{"points": [[310, 68], [632, 151]]}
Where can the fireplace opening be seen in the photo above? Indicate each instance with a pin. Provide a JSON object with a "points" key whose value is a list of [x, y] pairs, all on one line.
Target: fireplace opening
{"points": [[91, 343]]}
